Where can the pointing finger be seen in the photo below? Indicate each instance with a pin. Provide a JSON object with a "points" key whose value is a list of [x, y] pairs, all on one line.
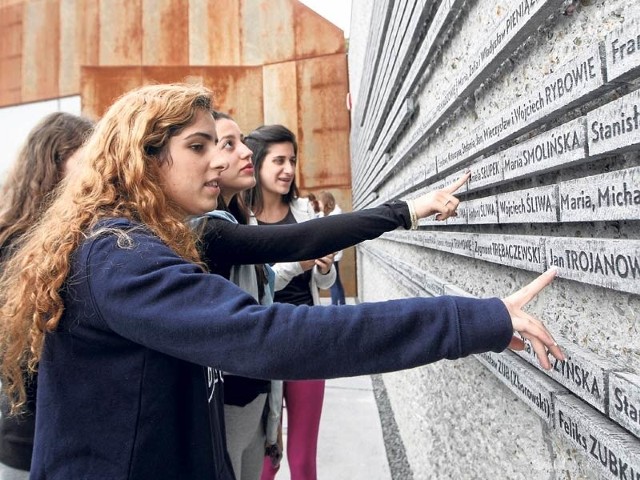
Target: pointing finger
{"points": [[458, 183], [528, 292]]}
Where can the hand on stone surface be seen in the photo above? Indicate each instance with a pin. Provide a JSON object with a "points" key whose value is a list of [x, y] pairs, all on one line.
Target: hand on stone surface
{"points": [[440, 202], [324, 263], [529, 327]]}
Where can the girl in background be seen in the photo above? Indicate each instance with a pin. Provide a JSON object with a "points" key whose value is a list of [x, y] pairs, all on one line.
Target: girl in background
{"points": [[328, 206], [315, 205], [51, 150], [275, 201], [245, 398]]}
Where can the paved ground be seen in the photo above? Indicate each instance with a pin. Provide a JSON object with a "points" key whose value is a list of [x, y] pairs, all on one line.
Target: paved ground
{"points": [[350, 444]]}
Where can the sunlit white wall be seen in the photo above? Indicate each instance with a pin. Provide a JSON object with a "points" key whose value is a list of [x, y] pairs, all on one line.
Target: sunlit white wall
{"points": [[17, 121]]}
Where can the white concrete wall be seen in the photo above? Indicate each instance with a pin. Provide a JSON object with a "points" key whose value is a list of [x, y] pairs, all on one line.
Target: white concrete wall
{"points": [[458, 419]]}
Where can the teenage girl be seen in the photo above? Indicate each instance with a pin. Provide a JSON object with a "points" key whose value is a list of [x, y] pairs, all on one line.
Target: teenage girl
{"points": [[51, 150]]}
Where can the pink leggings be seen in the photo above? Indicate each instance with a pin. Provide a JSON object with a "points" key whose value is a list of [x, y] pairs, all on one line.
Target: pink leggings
{"points": [[304, 406]]}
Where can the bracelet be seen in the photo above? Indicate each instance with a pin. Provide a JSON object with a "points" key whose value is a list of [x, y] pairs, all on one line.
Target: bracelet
{"points": [[413, 215]]}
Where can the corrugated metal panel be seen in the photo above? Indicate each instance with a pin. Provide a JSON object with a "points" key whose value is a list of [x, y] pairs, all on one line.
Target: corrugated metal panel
{"points": [[314, 34], [323, 122], [165, 25], [79, 41], [237, 91], [267, 31], [281, 100], [101, 86], [120, 32], [171, 74], [40, 50], [11, 54], [214, 32]]}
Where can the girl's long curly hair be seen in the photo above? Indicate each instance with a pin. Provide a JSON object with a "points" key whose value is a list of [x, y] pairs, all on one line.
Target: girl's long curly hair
{"points": [[119, 177], [37, 171]]}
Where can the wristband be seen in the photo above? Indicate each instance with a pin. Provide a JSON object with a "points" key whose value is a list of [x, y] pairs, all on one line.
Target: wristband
{"points": [[413, 215]]}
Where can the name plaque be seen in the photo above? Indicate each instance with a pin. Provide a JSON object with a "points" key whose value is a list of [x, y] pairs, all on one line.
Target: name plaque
{"points": [[615, 127], [518, 24], [575, 82], [486, 172], [432, 222], [528, 384], [533, 205], [425, 54], [519, 251], [402, 236], [583, 373], [624, 400], [611, 264], [424, 238], [415, 173], [622, 47], [514, 28], [609, 196], [558, 147], [430, 283], [439, 185], [462, 218], [606, 446], [482, 210], [452, 242]]}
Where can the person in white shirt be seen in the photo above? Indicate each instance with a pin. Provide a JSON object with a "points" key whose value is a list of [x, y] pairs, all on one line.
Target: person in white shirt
{"points": [[328, 206]]}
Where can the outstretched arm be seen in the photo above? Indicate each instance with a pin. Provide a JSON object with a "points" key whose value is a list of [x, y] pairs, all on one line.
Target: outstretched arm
{"points": [[226, 243], [174, 308]]}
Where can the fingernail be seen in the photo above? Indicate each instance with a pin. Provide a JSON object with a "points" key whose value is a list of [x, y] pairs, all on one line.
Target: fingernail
{"points": [[553, 269]]}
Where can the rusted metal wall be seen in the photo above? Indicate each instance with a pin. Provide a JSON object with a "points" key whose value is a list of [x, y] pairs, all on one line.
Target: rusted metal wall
{"points": [[268, 61], [238, 90], [11, 54]]}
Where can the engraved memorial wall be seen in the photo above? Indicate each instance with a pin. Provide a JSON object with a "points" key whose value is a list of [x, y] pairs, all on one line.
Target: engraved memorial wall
{"points": [[540, 100]]}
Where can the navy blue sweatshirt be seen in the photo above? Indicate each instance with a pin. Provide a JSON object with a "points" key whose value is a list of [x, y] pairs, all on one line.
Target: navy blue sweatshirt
{"points": [[120, 389]]}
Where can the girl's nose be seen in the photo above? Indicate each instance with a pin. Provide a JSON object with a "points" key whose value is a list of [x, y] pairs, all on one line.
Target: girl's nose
{"points": [[246, 152], [218, 163], [289, 168]]}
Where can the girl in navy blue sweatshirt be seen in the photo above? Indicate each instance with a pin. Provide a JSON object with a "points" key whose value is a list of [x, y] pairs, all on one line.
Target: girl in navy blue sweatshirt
{"points": [[108, 294]]}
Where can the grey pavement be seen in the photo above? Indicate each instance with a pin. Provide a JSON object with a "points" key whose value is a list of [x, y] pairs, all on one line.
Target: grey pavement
{"points": [[351, 445]]}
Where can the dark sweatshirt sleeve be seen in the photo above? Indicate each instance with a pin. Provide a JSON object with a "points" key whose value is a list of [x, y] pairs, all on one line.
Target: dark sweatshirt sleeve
{"points": [[225, 243], [152, 297]]}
